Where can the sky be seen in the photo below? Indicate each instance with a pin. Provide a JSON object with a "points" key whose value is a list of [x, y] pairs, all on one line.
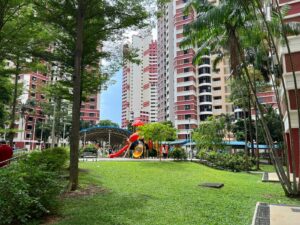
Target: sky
{"points": [[111, 100]]}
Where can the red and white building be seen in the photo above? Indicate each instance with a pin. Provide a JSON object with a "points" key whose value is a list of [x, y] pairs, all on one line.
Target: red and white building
{"points": [[90, 109], [139, 85], [26, 123], [294, 41], [187, 94]]}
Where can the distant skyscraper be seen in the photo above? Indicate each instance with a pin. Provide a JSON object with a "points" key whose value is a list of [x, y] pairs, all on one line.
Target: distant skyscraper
{"points": [[139, 85]]}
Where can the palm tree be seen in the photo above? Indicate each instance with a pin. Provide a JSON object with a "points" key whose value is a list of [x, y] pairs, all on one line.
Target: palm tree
{"points": [[222, 29]]}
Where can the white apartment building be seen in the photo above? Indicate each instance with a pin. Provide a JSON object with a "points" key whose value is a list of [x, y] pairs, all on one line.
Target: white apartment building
{"points": [[139, 85]]}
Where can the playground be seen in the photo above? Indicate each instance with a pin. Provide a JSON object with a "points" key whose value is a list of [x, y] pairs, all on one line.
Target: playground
{"points": [[162, 193], [115, 142]]}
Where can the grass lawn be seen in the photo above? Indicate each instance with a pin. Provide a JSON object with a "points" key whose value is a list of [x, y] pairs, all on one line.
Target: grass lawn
{"points": [[167, 193]]}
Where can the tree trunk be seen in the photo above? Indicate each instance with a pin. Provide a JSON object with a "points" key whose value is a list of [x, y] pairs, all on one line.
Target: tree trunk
{"points": [[292, 190], [74, 145], [250, 126], [14, 105]]}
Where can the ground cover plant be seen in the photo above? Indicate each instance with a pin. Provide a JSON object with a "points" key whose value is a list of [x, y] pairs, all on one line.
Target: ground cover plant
{"points": [[140, 193]]}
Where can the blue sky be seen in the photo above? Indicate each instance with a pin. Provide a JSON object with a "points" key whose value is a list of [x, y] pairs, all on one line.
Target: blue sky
{"points": [[111, 100]]}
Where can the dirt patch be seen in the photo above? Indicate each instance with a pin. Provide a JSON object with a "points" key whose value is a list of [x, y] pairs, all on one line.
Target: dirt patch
{"points": [[87, 191], [51, 220]]}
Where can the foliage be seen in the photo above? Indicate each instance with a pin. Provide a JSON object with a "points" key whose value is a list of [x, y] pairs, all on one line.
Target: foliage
{"points": [[239, 130], [30, 189], [157, 132], [234, 162], [90, 148], [210, 134], [108, 123], [52, 159], [273, 122], [178, 153]]}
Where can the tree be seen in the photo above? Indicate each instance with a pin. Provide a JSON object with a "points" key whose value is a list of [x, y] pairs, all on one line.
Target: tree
{"points": [[83, 26], [157, 132], [108, 123], [209, 135]]}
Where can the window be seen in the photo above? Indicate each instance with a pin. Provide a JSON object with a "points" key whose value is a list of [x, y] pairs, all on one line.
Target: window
{"points": [[203, 70], [33, 86], [186, 88], [185, 52], [205, 61], [32, 94], [29, 127], [217, 79], [217, 88], [187, 97], [186, 70], [30, 119], [92, 100], [33, 78], [92, 107], [188, 116], [91, 114], [186, 126], [185, 17], [187, 107], [217, 97], [218, 107], [185, 61], [185, 79]]}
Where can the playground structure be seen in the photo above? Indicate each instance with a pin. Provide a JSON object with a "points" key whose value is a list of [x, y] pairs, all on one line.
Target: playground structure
{"points": [[135, 143]]}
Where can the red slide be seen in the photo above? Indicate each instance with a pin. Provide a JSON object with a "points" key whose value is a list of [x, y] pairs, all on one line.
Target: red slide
{"points": [[118, 153]]}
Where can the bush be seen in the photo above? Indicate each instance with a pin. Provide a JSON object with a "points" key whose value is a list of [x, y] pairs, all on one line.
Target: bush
{"points": [[30, 189], [234, 162], [52, 159], [178, 153]]}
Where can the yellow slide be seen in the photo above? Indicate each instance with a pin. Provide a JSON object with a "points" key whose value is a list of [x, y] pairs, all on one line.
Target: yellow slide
{"points": [[138, 151]]}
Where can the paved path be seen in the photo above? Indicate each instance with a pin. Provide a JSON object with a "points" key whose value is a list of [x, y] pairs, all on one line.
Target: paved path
{"points": [[272, 177], [123, 160], [272, 214]]}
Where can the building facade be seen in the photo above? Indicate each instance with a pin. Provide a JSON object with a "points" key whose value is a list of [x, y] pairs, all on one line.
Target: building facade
{"points": [[294, 42], [188, 94], [30, 112], [139, 82]]}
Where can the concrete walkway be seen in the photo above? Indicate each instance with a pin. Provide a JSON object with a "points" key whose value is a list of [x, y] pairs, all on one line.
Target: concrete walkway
{"points": [[272, 177], [122, 160], [272, 214]]}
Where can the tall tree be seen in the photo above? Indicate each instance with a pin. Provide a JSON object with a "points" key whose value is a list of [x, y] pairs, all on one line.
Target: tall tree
{"points": [[84, 25]]}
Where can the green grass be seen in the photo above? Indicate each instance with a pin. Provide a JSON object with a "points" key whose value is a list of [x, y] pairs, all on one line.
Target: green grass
{"points": [[167, 193]]}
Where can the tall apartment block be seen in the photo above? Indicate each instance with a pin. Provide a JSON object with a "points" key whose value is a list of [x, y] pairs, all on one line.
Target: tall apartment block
{"points": [[28, 118], [139, 85], [294, 41], [90, 109], [188, 94], [165, 56]]}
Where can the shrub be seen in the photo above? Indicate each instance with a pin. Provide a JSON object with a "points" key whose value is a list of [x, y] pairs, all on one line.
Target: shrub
{"points": [[90, 148], [30, 188], [52, 159], [234, 162], [178, 153]]}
